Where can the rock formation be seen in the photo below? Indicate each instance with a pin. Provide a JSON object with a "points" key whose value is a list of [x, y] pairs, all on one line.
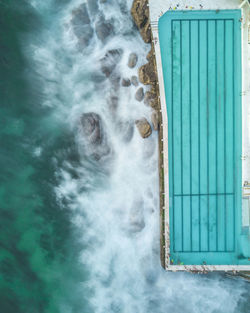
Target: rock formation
{"points": [[143, 127], [148, 72], [132, 60], [139, 95], [126, 82], [94, 137], [140, 14], [103, 28], [134, 81], [110, 60], [82, 25]]}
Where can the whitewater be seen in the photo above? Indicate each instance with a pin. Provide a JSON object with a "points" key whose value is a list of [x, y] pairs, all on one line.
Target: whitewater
{"points": [[113, 199]]}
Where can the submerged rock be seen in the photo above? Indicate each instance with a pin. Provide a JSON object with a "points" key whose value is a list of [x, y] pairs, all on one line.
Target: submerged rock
{"points": [[126, 82], [110, 60], [115, 80], [113, 104], [143, 127], [81, 25], [126, 129], [93, 7], [81, 15], [139, 95], [134, 81], [132, 60], [91, 126], [136, 217], [94, 136], [103, 29]]}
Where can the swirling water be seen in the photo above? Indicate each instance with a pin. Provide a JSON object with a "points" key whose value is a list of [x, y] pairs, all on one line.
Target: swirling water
{"points": [[81, 234]]}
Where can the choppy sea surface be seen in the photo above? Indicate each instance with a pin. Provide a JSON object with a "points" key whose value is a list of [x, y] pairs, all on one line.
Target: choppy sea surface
{"points": [[79, 232]]}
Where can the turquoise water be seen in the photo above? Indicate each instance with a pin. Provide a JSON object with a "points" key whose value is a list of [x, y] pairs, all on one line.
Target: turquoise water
{"points": [[76, 235], [201, 55]]}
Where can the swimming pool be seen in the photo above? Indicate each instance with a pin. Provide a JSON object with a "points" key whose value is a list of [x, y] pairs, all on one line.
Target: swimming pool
{"points": [[201, 62]]}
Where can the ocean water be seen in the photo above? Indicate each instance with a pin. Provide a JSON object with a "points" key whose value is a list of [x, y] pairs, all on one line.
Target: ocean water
{"points": [[79, 231]]}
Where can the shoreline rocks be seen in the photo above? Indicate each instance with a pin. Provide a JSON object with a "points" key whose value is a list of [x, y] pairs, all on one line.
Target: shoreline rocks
{"points": [[140, 14], [143, 127], [147, 73]]}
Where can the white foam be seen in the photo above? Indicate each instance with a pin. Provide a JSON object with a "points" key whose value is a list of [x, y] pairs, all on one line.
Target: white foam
{"points": [[117, 210]]}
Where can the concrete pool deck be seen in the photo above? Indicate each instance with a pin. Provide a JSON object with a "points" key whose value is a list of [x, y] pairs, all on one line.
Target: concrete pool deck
{"points": [[157, 9]]}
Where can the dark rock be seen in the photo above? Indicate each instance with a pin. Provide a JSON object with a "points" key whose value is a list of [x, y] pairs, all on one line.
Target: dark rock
{"points": [[126, 82], [94, 137], [132, 60], [80, 15], [97, 77], [81, 25], [91, 126], [103, 29], [143, 127], [93, 7], [110, 60], [139, 95], [134, 81]]}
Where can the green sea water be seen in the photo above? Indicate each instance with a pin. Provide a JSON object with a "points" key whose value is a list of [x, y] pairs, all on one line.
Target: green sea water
{"points": [[66, 240], [39, 251]]}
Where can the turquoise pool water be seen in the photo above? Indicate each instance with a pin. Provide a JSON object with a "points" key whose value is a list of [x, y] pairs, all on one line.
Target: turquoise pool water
{"points": [[201, 59]]}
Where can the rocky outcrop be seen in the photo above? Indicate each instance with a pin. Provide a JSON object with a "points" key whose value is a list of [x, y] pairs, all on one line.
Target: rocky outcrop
{"points": [[110, 60], [140, 13], [91, 127], [132, 60], [139, 95], [148, 72], [93, 7], [82, 26], [126, 82], [143, 127], [94, 137], [103, 29]]}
